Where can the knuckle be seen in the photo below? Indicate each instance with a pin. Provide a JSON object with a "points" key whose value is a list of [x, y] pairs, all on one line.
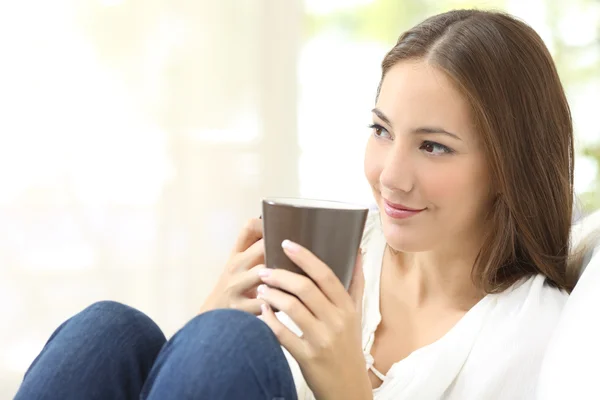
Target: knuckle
{"points": [[292, 305], [248, 227], [332, 277], [278, 330], [229, 293], [322, 346], [255, 269], [352, 311], [261, 248], [234, 262], [243, 262], [305, 289], [337, 326], [253, 225], [311, 353], [327, 277]]}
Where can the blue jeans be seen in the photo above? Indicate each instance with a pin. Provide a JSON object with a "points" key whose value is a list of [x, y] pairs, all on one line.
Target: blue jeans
{"points": [[112, 351]]}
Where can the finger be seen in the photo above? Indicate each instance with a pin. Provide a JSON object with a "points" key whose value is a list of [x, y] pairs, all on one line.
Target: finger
{"points": [[288, 339], [252, 257], [318, 271], [357, 284], [251, 306], [293, 307], [247, 281], [251, 233], [301, 287]]}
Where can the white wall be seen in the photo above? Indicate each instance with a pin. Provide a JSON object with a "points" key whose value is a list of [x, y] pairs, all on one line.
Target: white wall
{"points": [[136, 138]]}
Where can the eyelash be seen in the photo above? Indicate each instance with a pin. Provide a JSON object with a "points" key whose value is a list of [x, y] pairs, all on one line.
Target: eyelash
{"points": [[445, 149]]}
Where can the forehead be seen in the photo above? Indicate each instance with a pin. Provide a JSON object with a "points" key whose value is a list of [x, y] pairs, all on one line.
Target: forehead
{"points": [[414, 93]]}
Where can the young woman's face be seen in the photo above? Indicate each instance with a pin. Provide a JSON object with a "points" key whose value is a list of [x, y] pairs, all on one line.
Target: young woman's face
{"points": [[424, 161]]}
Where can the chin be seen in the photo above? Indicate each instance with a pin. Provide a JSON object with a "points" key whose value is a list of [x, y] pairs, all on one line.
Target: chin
{"points": [[405, 239]]}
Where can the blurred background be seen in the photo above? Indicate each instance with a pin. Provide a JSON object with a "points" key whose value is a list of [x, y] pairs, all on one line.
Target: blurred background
{"points": [[137, 136]]}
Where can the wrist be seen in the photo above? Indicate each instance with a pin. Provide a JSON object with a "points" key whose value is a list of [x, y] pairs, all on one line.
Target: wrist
{"points": [[208, 305], [367, 393], [363, 391], [366, 390]]}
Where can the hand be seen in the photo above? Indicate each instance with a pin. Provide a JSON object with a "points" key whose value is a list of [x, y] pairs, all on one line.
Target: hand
{"points": [[236, 287], [330, 350]]}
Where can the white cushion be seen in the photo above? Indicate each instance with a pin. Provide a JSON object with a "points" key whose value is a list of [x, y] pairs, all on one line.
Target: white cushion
{"points": [[572, 361]]}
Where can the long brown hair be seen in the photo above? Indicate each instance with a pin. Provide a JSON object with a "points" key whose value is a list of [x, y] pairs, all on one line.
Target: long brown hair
{"points": [[505, 71]]}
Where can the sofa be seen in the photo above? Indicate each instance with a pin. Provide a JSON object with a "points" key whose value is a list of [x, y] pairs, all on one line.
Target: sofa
{"points": [[571, 367]]}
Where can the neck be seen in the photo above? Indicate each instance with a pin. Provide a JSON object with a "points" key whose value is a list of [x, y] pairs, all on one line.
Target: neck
{"points": [[439, 277]]}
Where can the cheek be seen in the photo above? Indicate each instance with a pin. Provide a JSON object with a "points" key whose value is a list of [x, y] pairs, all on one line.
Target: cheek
{"points": [[441, 186], [460, 189]]}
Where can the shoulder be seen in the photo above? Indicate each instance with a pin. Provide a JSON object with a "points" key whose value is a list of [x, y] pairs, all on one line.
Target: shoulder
{"points": [[534, 301], [526, 314], [506, 359]]}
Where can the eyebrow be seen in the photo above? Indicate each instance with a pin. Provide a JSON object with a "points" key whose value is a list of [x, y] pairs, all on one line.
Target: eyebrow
{"points": [[423, 129]]}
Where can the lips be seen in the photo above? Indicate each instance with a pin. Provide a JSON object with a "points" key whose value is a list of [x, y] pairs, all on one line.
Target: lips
{"points": [[400, 211], [401, 207]]}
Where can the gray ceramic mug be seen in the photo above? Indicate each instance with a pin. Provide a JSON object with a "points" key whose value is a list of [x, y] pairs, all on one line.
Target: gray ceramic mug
{"points": [[329, 229]]}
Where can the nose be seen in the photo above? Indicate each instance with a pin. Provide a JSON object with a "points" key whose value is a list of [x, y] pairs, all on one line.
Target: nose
{"points": [[397, 172]]}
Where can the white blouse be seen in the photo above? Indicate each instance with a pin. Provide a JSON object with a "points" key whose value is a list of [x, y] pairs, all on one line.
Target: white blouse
{"points": [[494, 352]]}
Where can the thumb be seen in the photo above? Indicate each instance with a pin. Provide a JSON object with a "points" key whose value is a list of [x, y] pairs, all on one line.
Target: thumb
{"points": [[357, 285]]}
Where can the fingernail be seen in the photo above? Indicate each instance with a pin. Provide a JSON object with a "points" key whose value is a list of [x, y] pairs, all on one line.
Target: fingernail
{"points": [[264, 308], [290, 246], [264, 272], [261, 289]]}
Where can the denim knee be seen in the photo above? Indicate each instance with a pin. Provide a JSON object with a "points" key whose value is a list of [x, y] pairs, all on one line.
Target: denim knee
{"points": [[221, 322], [104, 352], [228, 333], [222, 354], [113, 320]]}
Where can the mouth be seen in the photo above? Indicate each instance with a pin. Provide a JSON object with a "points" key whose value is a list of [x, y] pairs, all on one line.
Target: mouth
{"points": [[400, 211]]}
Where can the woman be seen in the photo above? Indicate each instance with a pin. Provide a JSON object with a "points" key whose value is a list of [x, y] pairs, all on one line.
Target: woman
{"points": [[465, 265]]}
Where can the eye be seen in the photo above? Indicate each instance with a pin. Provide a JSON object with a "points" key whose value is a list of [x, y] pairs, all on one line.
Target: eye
{"points": [[379, 131], [435, 149]]}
